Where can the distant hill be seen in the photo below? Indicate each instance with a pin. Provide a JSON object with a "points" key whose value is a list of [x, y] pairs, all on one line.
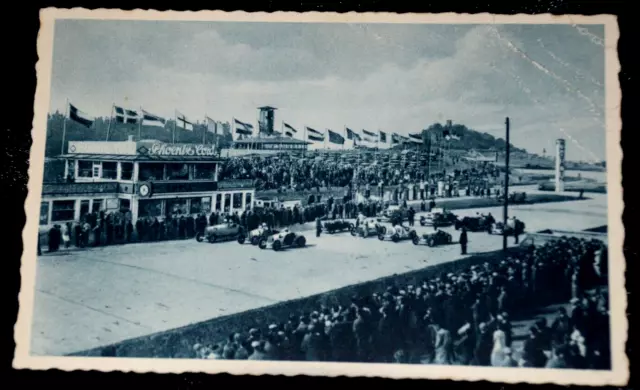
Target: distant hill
{"points": [[466, 138], [120, 132]]}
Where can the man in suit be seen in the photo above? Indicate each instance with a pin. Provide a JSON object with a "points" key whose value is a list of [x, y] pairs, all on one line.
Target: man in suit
{"points": [[463, 241]]}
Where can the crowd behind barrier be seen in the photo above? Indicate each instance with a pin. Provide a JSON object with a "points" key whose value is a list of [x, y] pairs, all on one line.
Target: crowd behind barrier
{"points": [[462, 318]]}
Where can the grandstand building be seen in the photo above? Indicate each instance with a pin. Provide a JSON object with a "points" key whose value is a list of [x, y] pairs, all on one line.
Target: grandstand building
{"points": [[148, 178], [265, 145]]}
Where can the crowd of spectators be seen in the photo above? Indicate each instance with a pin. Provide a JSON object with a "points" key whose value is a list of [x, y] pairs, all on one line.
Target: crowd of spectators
{"points": [[463, 318]]}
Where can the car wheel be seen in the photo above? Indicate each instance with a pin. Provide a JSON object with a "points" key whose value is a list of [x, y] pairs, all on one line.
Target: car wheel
{"points": [[413, 234], [395, 238], [353, 232], [431, 242], [255, 240], [277, 246], [199, 237], [416, 240], [241, 239], [383, 229], [301, 241], [262, 244], [381, 237], [213, 238]]}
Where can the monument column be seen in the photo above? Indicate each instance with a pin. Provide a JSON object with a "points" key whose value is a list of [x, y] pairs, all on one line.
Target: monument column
{"points": [[560, 159]]}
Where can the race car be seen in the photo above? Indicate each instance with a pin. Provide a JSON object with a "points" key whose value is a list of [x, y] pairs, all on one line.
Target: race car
{"points": [[438, 217], [282, 240], [439, 237], [515, 198], [473, 224], [337, 225], [394, 211], [398, 233], [223, 231], [256, 235], [499, 228], [370, 227]]}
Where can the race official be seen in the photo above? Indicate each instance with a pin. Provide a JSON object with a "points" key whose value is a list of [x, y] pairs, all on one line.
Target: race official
{"points": [[318, 227], [463, 241]]}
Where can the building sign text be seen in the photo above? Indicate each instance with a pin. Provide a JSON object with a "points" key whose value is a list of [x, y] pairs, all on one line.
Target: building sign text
{"points": [[182, 150]]}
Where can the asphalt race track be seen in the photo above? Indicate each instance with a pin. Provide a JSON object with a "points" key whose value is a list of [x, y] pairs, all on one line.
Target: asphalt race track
{"points": [[88, 298]]}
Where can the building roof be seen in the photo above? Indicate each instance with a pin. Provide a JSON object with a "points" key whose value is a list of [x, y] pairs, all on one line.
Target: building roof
{"points": [[267, 108], [271, 140], [142, 158]]}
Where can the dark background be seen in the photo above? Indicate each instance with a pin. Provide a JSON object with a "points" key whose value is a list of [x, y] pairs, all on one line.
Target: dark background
{"points": [[18, 58]]}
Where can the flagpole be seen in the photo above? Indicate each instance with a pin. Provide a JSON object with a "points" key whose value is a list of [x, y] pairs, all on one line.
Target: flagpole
{"points": [[64, 126], [140, 127], [175, 121], [110, 120], [204, 131]]}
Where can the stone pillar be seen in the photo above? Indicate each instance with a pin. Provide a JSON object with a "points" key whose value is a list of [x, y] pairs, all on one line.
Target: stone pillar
{"points": [[560, 163]]}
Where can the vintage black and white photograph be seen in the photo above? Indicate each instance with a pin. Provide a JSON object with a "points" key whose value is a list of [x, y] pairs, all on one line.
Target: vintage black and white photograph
{"points": [[418, 196]]}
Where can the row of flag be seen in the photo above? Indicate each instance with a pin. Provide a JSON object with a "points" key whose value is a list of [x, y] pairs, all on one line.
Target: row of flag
{"points": [[142, 117]]}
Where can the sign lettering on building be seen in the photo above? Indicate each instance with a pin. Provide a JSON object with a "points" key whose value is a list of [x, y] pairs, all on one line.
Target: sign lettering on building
{"points": [[182, 150], [561, 158]]}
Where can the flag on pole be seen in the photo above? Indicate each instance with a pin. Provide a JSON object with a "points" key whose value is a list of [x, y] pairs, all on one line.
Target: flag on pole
{"points": [[289, 131], [124, 115], [382, 137], [212, 126], [149, 119], [335, 138], [446, 134], [80, 116], [415, 137], [455, 137], [243, 128], [369, 136], [314, 135], [353, 135], [182, 121]]}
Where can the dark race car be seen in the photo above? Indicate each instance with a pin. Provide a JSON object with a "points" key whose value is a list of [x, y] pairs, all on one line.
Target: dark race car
{"points": [[438, 217], [338, 225], [256, 235], [474, 224], [439, 237]]}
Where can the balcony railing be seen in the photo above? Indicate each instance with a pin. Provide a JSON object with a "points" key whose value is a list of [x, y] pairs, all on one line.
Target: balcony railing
{"points": [[79, 188]]}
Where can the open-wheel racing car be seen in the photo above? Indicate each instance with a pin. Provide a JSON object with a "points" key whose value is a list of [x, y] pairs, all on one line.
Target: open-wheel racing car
{"points": [[439, 237], [398, 233], [438, 217], [515, 198], [499, 228], [254, 236], [474, 224], [282, 240], [337, 225], [369, 227], [220, 232]]}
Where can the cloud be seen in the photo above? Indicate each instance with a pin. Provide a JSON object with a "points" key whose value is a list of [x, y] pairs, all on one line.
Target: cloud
{"points": [[389, 77]]}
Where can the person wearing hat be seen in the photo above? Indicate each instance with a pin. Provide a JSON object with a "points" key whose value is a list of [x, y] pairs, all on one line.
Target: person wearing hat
{"points": [[463, 241], [258, 351]]}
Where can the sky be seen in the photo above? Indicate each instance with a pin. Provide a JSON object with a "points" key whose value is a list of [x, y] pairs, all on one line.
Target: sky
{"points": [[548, 79]]}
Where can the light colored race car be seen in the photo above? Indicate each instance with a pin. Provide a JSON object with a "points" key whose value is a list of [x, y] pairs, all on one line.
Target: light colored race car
{"points": [[369, 227], [282, 240], [398, 233], [439, 237], [256, 235], [221, 232], [499, 228]]}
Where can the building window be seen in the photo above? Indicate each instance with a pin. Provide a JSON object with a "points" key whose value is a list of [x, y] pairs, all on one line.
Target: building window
{"points": [[126, 171], [218, 202], [96, 169], [84, 208], [204, 171], [109, 170], [200, 205], [177, 172], [112, 204], [96, 206], [227, 202], [177, 207], [44, 213], [248, 199], [85, 168], [71, 168], [63, 210], [150, 208], [237, 200], [125, 205], [150, 171]]}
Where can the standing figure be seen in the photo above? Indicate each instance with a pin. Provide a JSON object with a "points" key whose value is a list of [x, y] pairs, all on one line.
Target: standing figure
{"points": [[463, 241]]}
